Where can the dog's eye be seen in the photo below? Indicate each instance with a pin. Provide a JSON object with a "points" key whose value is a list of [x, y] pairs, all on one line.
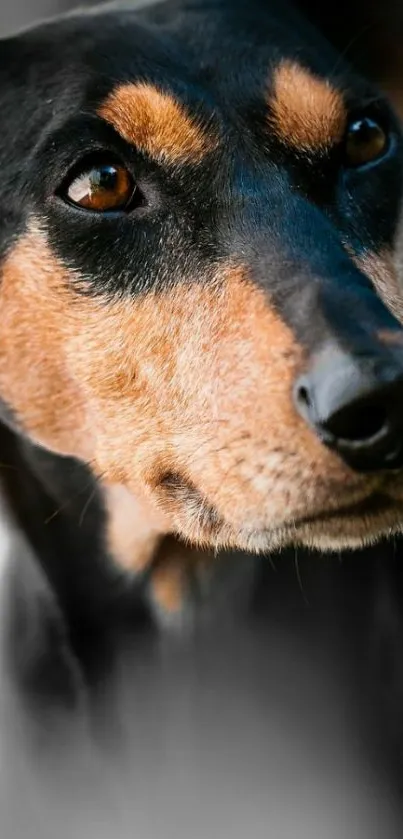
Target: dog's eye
{"points": [[102, 188], [366, 142]]}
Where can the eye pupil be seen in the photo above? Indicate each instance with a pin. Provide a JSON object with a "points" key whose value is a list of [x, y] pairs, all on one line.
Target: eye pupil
{"points": [[104, 178], [102, 188], [366, 142]]}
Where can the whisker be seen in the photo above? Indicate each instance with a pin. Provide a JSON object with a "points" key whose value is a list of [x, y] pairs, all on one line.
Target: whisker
{"points": [[86, 506], [72, 498], [350, 44]]}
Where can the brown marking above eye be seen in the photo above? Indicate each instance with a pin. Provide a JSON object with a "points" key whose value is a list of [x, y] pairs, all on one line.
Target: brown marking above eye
{"points": [[306, 112], [104, 187], [156, 124]]}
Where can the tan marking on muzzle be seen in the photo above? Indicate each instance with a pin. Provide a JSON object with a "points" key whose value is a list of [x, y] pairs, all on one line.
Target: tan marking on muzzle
{"points": [[195, 381]]}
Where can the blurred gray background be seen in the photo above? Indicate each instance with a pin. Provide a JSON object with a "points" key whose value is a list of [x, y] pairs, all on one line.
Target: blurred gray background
{"points": [[15, 14]]}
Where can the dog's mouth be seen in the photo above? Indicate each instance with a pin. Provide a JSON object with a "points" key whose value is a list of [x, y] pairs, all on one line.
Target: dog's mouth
{"points": [[374, 505], [348, 525]]}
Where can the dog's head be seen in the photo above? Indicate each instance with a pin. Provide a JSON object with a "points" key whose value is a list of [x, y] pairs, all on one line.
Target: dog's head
{"points": [[199, 208]]}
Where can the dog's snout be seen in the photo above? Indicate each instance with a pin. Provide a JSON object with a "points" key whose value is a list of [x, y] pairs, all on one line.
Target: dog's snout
{"points": [[355, 405]]}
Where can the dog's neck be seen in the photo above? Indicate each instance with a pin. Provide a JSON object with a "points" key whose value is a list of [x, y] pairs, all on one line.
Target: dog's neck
{"points": [[63, 513]]}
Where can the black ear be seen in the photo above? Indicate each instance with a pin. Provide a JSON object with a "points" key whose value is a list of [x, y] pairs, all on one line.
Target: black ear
{"points": [[369, 33]]}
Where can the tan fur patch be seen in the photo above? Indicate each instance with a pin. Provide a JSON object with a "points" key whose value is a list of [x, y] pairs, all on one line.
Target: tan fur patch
{"points": [[154, 122], [306, 112], [134, 529], [179, 572], [195, 382], [169, 585]]}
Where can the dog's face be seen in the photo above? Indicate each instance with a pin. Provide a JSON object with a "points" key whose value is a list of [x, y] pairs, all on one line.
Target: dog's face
{"points": [[198, 218]]}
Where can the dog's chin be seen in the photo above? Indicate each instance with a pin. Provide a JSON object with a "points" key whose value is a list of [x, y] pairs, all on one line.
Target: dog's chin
{"points": [[352, 528], [342, 536], [346, 529]]}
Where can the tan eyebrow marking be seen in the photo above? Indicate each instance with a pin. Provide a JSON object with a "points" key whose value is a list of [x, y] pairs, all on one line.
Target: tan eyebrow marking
{"points": [[157, 124], [306, 112]]}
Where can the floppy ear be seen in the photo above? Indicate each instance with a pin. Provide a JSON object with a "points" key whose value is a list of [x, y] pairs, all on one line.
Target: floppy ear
{"points": [[369, 33]]}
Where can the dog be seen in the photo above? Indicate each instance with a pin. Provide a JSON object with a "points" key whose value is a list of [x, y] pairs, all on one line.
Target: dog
{"points": [[201, 340]]}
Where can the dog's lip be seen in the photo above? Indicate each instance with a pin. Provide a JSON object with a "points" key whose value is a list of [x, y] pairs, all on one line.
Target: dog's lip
{"points": [[373, 505]]}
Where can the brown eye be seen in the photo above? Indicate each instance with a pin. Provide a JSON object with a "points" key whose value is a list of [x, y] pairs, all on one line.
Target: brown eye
{"points": [[104, 188], [366, 141]]}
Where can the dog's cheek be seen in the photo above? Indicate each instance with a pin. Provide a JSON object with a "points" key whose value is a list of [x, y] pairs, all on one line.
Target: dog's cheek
{"points": [[196, 380], [83, 376], [241, 413], [34, 381], [225, 378]]}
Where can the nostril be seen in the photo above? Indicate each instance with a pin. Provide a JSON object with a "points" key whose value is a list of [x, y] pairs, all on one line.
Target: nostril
{"points": [[303, 399], [357, 423], [355, 406], [303, 396]]}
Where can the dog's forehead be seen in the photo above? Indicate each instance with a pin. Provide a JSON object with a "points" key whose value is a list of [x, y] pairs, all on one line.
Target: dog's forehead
{"points": [[225, 56]]}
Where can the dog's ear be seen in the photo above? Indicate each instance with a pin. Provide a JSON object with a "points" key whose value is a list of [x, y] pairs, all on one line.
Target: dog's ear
{"points": [[369, 33]]}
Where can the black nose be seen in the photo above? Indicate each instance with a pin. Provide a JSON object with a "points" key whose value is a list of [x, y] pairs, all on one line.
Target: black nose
{"points": [[356, 407]]}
